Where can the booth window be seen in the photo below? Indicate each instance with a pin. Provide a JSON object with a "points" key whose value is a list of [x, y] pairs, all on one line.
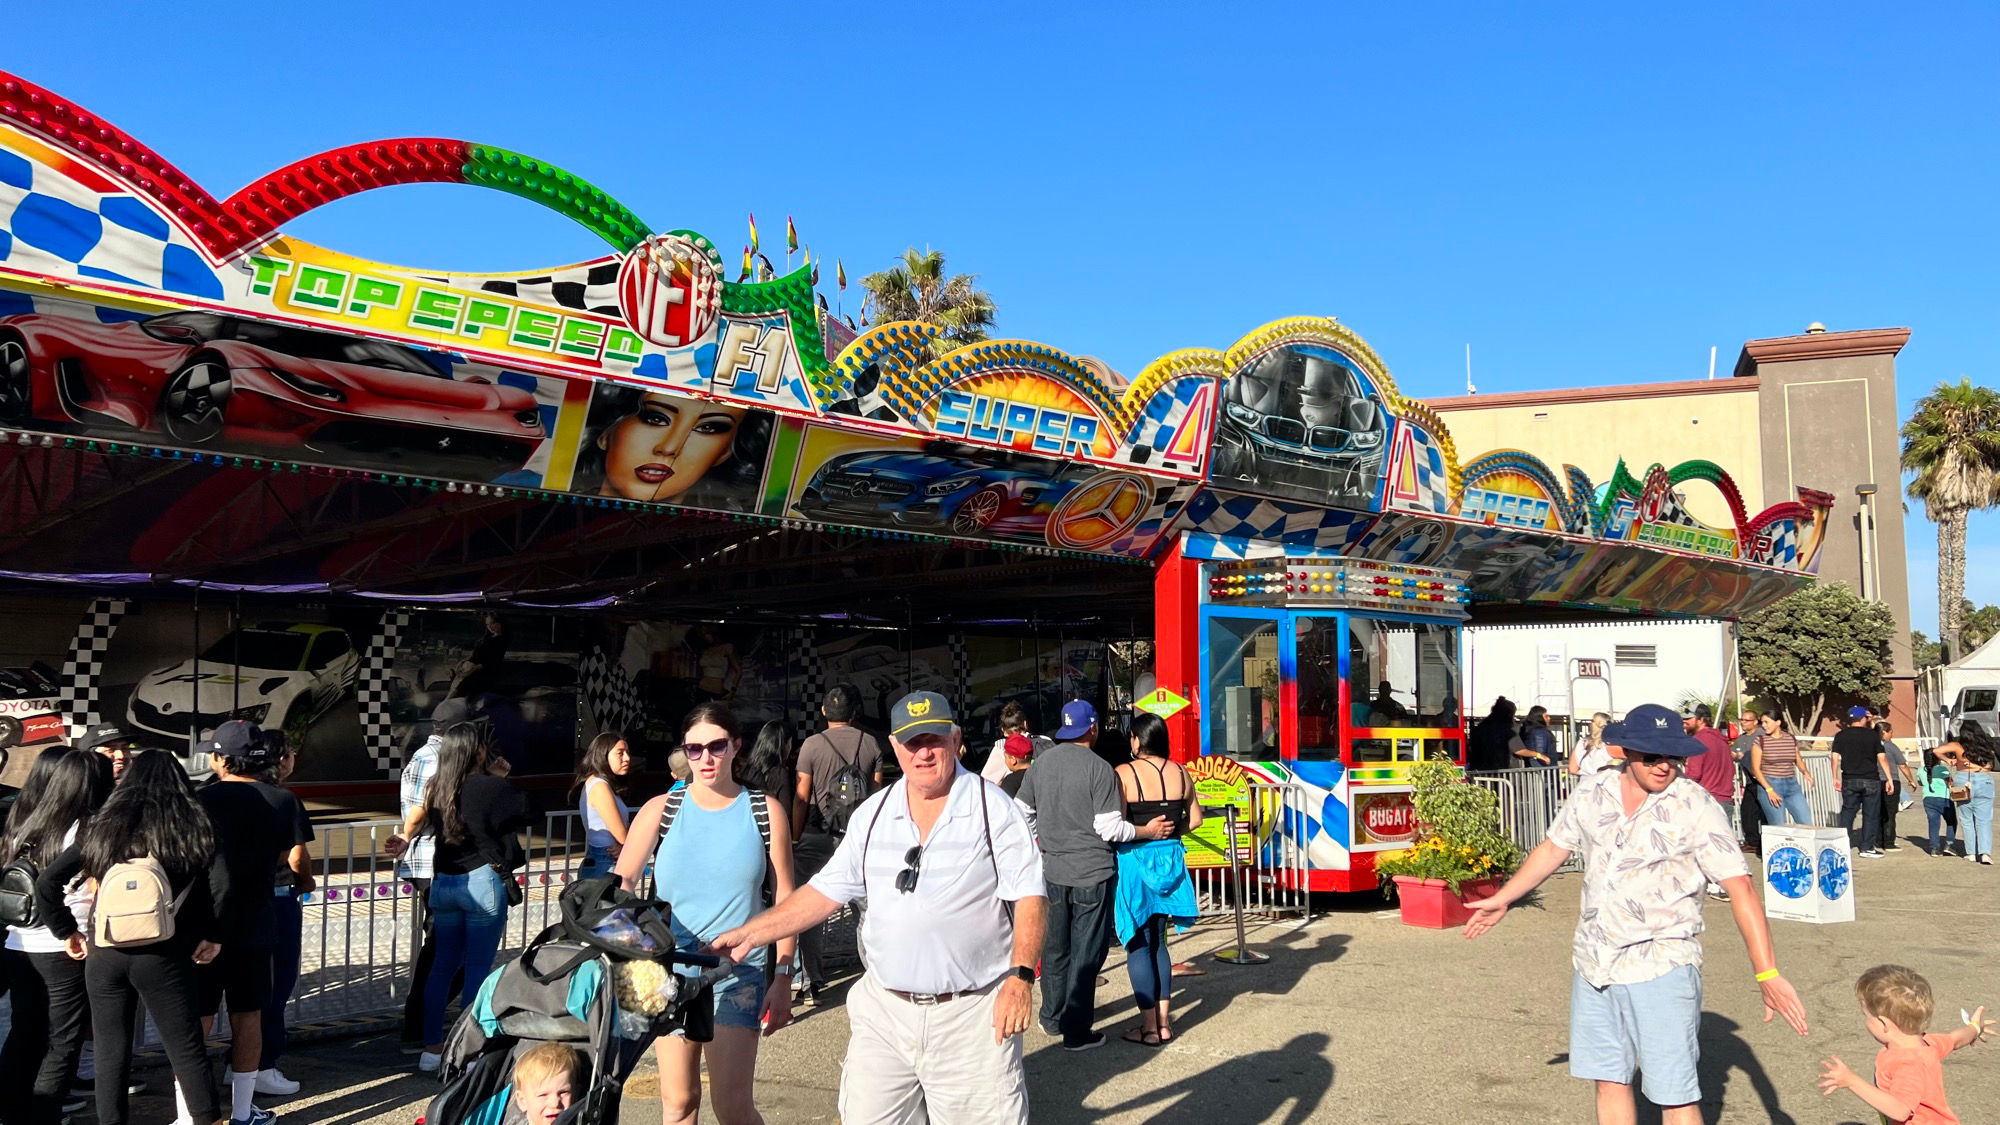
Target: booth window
{"points": [[1243, 687], [1402, 674], [1319, 688]]}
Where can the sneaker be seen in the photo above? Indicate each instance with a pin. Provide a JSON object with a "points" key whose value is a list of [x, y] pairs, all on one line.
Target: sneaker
{"points": [[428, 1063], [257, 1117], [274, 1083], [1871, 853], [1986, 859], [74, 1105], [1089, 1043], [1051, 1029]]}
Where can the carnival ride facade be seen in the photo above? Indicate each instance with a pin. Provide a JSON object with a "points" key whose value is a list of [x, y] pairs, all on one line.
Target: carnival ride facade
{"points": [[185, 390]]}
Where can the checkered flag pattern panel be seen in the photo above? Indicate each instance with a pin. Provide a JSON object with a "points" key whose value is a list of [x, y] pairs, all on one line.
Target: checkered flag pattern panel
{"points": [[371, 691], [56, 223], [586, 290], [84, 665], [961, 675], [812, 683], [609, 692]]}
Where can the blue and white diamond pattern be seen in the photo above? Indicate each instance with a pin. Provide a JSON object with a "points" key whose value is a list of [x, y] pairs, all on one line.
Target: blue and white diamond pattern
{"points": [[51, 224], [1226, 525]]}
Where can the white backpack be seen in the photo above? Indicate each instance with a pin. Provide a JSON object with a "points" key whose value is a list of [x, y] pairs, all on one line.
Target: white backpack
{"points": [[135, 904]]}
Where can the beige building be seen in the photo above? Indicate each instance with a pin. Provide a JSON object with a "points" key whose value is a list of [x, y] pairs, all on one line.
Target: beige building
{"points": [[1817, 410]]}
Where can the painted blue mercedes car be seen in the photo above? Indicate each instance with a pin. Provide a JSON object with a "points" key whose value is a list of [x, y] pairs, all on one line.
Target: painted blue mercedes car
{"points": [[950, 488]]}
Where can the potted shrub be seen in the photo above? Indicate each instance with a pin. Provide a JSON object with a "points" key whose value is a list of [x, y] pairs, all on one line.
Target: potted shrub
{"points": [[1459, 854]]}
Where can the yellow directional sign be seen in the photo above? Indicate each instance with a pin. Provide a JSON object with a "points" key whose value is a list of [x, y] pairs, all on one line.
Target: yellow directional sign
{"points": [[1163, 703]]}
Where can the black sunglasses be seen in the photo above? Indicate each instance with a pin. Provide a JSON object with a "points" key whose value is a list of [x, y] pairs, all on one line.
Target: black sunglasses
{"points": [[715, 749], [1652, 759], [906, 879]]}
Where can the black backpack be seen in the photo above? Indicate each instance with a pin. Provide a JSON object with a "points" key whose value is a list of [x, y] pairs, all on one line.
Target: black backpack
{"points": [[18, 908], [845, 790]]}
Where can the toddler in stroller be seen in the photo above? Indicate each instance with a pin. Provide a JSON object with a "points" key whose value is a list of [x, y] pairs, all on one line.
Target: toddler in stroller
{"points": [[600, 983]]}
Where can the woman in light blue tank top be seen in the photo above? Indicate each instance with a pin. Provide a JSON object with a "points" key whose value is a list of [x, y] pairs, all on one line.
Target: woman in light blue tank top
{"points": [[711, 866], [599, 793]]}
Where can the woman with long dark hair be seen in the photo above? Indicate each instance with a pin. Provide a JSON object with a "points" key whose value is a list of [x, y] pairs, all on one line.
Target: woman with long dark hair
{"points": [[1939, 809], [152, 812], [477, 816], [712, 863], [49, 1003], [603, 779], [768, 765], [1153, 887]]}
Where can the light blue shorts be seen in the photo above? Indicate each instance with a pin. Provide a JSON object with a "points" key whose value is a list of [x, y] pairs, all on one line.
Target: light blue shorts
{"points": [[1651, 1027], [739, 999]]}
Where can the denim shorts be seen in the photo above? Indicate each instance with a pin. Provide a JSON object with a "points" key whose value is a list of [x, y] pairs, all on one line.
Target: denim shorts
{"points": [[1650, 1027], [739, 999]]}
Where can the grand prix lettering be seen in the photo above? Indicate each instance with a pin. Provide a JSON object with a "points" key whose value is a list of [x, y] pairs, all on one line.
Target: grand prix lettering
{"points": [[424, 308], [1045, 429]]}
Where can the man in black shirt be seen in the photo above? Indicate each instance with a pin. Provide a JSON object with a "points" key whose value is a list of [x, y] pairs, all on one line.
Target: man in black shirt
{"points": [[1864, 778], [256, 827]]}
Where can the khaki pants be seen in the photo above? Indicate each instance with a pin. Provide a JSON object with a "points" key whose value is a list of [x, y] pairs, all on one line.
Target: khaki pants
{"points": [[908, 1064]]}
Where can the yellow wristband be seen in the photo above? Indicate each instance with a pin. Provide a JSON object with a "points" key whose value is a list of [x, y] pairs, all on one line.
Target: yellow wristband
{"points": [[1767, 974]]}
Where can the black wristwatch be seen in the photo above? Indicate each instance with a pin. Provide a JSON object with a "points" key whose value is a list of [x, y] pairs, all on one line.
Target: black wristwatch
{"points": [[1023, 973]]}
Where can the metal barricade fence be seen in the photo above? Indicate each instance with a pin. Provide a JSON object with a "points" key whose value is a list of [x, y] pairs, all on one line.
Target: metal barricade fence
{"points": [[1528, 801], [360, 938], [1270, 840], [1529, 798]]}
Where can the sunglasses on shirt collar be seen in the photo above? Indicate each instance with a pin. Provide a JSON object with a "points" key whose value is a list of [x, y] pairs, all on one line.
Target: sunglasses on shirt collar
{"points": [[906, 879]]}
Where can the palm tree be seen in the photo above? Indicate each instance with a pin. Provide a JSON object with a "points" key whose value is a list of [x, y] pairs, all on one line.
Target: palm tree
{"points": [[1952, 443], [919, 289]]}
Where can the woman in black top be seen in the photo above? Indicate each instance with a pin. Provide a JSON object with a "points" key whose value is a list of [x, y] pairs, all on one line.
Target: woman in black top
{"points": [[153, 812], [769, 765], [49, 1003], [1153, 885], [476, 817]]}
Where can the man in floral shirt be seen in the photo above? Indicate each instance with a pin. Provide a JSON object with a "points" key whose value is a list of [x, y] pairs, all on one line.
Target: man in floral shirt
{"points": [[1651, 842]]}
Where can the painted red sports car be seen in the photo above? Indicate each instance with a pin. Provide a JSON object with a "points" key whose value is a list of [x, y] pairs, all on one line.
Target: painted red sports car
{"points": [[209, 379]]}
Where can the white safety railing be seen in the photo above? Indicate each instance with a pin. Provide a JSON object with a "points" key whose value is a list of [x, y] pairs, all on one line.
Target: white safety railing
{"points": [[1271, 854]]}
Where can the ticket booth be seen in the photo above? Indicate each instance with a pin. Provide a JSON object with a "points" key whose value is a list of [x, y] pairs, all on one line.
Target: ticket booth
{"points": [[1335, 675]]}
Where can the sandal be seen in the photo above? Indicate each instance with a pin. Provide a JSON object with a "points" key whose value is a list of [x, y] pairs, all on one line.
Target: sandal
{"points": [[1165, 1034], [1142, 1037]]}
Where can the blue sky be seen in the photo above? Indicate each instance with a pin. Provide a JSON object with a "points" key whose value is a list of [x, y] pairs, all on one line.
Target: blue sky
{"points": [[1585, 194]]}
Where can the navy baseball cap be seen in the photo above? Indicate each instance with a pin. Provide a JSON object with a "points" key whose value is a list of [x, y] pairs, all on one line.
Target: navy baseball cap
{"points": [[1078, 716], [238, 738], [920, 713], [1652, 729]]}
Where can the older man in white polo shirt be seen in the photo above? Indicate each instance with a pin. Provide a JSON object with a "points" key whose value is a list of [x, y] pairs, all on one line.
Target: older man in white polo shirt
{"points": [[954, 924]]}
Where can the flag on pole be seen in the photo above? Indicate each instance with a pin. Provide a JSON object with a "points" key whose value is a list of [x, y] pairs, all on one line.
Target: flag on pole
{"points": [[812, 265], [747, 267], [754, 244], [791, 236], [765, 271], [840, 274]]}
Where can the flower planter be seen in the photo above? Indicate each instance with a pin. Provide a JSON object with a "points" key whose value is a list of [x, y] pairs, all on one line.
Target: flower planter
{"points": [[1430, 903]]}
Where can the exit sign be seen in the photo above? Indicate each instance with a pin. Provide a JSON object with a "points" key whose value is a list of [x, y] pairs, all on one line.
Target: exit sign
{"points": [[1590, 669]]}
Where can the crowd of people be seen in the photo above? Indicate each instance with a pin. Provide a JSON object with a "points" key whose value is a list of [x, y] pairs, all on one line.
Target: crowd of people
{"points": [[124, 885]]}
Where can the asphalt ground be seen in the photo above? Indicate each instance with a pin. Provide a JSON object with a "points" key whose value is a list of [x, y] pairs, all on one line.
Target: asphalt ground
{"points": [[1357, 1017]]}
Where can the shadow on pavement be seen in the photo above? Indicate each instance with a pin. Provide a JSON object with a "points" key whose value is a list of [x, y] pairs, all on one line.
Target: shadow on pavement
{"points": [[1723, 1050], [1196, 999], [1255, 1087]]}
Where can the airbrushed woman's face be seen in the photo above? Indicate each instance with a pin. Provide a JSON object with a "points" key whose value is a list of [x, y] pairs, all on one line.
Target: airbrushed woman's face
{"points": [[662, 449]]}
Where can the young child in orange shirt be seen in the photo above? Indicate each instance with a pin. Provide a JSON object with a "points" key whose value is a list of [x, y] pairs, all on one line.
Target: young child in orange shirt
{"points": [[1909, 1069], [544, 1083]]}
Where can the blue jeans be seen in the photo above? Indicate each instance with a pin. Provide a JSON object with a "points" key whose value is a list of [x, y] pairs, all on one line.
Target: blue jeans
{"points": [[468, 912], [1940, 810], [284, 974], [596, 861], [1146, 962], [1976, 815], [1080, 931], [1791, 802]]}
